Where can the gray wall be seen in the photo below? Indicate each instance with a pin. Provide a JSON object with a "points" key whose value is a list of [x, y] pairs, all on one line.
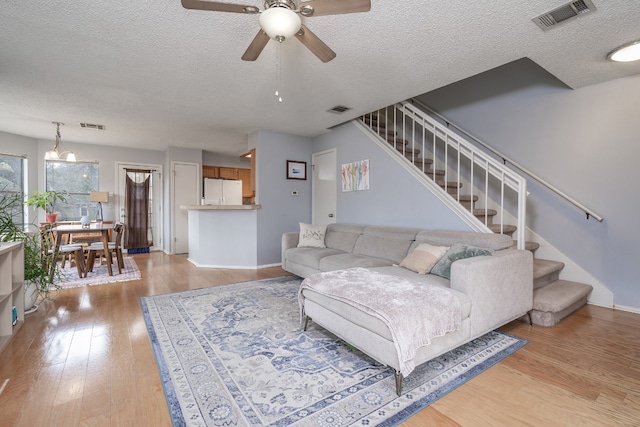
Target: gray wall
{"points": [[584, 141], [280, 210], [394, 197], [216, 159]]}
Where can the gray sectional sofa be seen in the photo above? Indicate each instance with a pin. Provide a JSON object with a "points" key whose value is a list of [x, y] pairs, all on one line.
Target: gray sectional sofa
{"points": [[492, 290]]}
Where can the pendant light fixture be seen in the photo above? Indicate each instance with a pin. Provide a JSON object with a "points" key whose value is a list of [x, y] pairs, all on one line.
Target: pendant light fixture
{"points": [[54, 153]]}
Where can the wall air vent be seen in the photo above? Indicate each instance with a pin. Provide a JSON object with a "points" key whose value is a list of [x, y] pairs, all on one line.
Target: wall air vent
{"points": [[338, 109], [563, 13], [92, 126]]}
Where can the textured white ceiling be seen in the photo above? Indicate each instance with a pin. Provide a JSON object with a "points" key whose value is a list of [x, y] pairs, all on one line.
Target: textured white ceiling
{"points": [[158, 75]]}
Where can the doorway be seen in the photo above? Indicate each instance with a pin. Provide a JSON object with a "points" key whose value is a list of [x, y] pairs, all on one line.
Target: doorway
{"points": [[324, 187], [150, 176]]}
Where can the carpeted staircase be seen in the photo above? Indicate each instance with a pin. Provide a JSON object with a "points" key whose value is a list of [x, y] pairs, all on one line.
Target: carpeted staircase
{"points": [[553, 298]]}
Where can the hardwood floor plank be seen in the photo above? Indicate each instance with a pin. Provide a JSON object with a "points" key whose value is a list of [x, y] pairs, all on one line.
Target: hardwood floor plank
{"points": [[85, 359]]}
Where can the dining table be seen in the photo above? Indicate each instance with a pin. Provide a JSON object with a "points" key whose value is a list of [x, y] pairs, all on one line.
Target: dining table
{"points": [[104, 229]]}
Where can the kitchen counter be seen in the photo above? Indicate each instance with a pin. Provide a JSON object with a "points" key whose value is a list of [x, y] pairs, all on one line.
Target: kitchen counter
{"points": [[220, 207], [223, 236]]}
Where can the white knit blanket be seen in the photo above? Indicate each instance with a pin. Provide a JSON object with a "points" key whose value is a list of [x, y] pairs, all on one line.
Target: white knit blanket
{"points": [[414, 312]]}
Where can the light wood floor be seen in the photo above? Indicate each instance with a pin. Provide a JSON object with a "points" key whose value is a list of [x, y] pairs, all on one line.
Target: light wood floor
{"points": [[85, 360]]}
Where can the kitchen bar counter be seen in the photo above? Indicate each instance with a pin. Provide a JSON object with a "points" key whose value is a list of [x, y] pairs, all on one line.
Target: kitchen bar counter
{"points": [[223, 236], [221, 207]]}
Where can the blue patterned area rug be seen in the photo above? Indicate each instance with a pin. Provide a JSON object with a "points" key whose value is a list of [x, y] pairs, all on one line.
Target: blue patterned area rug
{"points": [[235, 355]]}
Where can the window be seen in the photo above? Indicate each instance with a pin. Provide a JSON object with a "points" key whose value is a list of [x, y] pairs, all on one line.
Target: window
{"points": [[12, 170], [78, 180]]}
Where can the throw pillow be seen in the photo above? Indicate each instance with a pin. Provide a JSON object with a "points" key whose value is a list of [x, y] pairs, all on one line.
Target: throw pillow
{"points": [[312, 236], [456, 252], [423, 258]]}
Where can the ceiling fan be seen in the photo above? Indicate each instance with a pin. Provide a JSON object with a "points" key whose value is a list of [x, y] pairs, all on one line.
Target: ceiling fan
{"points": [[280, 20]]}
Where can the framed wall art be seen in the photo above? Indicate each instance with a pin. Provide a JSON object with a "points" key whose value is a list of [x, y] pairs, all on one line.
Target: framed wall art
{"points": [[355, 176], [296, 170]]}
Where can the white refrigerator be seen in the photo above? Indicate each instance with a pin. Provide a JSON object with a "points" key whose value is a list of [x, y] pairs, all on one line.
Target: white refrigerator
{"points": [[222, 192]]}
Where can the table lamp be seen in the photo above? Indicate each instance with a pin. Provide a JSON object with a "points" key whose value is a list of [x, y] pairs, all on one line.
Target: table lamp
{"points": [[100, 197]]}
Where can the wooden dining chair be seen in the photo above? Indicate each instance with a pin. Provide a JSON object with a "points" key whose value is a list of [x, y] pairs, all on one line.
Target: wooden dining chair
{"points": [[115, 248], [48, 244]]}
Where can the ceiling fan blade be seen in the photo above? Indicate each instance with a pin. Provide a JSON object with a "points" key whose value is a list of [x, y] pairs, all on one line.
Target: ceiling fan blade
{"points": [[333, 7], [315, 45], [256, 46], [218, 7]]}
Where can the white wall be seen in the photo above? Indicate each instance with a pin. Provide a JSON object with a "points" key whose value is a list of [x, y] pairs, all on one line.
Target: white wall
{"points": [[583, 141]]}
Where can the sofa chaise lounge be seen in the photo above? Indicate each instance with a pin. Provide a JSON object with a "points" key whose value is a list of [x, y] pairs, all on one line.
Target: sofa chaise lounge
{"points": [[492, 290]]}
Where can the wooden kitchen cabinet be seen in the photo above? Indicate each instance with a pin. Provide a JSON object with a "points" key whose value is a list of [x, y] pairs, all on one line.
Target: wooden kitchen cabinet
{"points": [[223, 172], [228, 173], [245, 176], [210, 171]]}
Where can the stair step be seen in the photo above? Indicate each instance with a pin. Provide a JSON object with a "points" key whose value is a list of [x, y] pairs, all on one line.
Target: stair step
{"points": [[557, 300], [400, 144], [449, 184], [467, 201], [420, 161], [507, 229], [485, 214], [438, 172], [545, 271], [407, 150], [391, 137], [528, 246]]}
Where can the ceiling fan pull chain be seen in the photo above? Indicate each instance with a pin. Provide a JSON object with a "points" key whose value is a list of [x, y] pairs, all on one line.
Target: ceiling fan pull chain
{"points": [[278, 74]]}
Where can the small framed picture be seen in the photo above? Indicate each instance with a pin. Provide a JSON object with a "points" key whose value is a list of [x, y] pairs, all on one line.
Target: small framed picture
{"points": [[296, 170]]}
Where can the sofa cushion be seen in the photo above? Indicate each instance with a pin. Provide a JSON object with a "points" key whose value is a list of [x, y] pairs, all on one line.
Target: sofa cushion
{"points": [[456, 252], [490, 241], [312, 236], [391, 243], [342, 261], [309, 257], [423, 258], [343, 236]]}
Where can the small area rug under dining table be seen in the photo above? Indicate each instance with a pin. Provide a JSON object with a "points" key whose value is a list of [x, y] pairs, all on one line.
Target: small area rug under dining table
{"points": [[100, 275], [235, 355]]}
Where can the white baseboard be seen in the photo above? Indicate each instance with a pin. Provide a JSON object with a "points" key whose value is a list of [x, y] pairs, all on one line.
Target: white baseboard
{"points": [[617, 307], [237, 267]]}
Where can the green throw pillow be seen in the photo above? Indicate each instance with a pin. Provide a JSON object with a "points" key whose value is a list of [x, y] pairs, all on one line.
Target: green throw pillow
{"points": [[456, 252]]}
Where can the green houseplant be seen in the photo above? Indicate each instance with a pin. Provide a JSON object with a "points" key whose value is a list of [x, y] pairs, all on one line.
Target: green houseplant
{"points": [[46, 200], [37, 259]]}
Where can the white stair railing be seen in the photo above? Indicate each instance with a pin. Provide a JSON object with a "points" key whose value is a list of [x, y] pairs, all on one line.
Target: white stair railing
{"points": [[458, 166]]}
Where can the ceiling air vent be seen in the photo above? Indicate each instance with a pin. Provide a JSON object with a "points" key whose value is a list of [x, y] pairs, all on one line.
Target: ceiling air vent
{"points": [[563, 13], [92, 126], [338, 109]]}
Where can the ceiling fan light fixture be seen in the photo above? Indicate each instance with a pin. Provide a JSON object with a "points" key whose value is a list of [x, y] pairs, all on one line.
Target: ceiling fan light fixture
{"points": [[280, 23], [627, 53]]}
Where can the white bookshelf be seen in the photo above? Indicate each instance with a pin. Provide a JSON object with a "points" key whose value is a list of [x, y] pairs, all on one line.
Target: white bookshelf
{"points": [[11, 289]]}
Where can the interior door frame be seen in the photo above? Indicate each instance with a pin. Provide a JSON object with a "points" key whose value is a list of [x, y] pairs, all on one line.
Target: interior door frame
{"points": [[333, 151], [173, 193], [158, 229]]}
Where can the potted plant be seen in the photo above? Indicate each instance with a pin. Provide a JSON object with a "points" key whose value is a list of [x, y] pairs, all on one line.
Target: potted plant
{"points": [[46, 200], [37, 259]]}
